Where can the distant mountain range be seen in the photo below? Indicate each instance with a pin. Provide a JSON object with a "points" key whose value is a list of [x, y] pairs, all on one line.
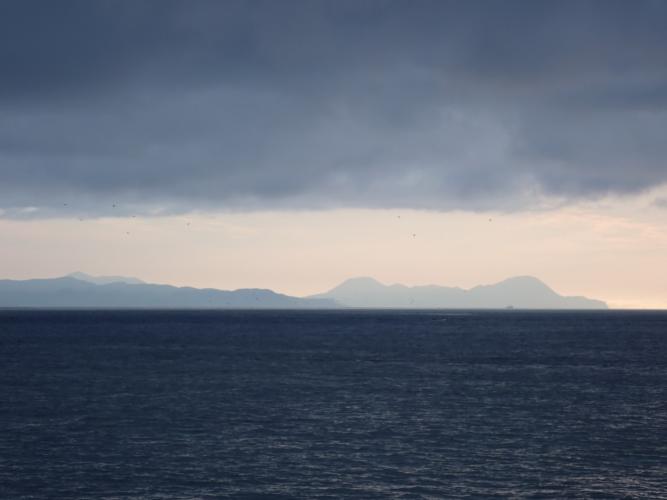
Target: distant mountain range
{"points": [[83, 290], [522, 292]]}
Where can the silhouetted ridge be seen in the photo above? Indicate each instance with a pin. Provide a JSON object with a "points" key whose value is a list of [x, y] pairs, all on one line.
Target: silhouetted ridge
{"points": [[104, 280], [74, 292], [80, 290], [525, 292]]}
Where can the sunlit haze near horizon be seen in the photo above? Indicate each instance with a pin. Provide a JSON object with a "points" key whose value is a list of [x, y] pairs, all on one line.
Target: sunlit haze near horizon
{"points": [[611, 250]]}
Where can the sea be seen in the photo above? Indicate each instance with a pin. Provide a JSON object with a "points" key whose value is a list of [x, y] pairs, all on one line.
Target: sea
{"points": [[332, 404]]}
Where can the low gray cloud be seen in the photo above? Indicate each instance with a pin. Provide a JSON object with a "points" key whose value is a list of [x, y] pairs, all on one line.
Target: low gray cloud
{"points": [[241, 105], [660, 202]]}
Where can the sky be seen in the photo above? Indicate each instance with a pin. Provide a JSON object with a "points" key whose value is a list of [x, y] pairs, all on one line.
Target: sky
{"points": [[291, 145]]}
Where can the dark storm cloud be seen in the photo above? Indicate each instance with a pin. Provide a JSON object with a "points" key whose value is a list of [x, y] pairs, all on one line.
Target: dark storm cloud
{"points": [[241, 105]]}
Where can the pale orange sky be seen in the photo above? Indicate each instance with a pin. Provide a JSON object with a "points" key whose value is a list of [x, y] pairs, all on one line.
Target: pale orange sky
{"points": [[614, 249]]}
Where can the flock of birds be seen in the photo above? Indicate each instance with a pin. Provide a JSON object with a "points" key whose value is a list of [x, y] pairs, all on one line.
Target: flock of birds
{"points": [[113, 205]]}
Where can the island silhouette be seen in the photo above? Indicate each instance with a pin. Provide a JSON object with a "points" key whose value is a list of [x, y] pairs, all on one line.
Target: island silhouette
{"points": [[80, 290], [520, 292]]}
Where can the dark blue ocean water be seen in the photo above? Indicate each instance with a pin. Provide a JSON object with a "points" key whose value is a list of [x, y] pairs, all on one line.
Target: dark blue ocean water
{"points": [[347, 404]]}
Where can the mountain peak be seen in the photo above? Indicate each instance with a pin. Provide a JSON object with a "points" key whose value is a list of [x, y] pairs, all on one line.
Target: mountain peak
{"points": [[523, 279], [362, 281], [523, 282], [361, 284], [525, 292], [104, 280]]}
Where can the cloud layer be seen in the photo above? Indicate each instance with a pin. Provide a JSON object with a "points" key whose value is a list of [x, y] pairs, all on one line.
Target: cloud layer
{"points": [[175, 105]]}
